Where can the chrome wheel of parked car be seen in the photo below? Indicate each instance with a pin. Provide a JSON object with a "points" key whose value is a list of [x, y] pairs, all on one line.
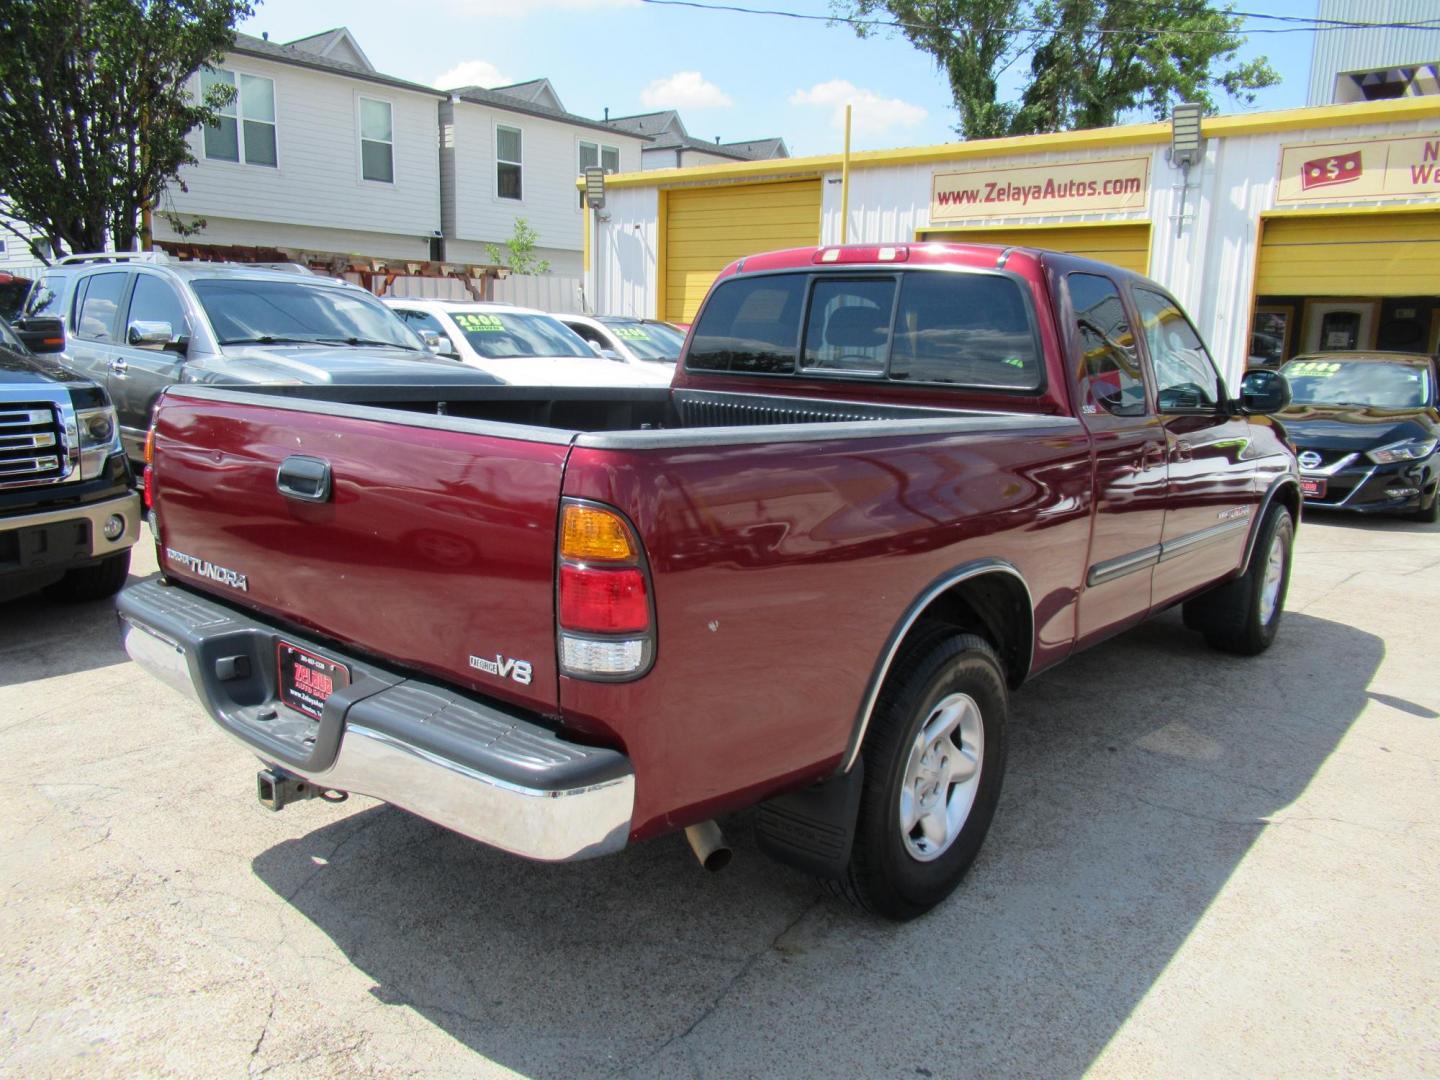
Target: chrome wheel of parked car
{"points": [[942, 777], [934, 759], [1274, 577], [1243, 615]]}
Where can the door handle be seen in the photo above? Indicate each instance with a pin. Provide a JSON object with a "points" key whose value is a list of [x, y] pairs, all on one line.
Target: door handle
{"points": [[304, 478], [1153, 456], [118, 366], [1182, 451]]}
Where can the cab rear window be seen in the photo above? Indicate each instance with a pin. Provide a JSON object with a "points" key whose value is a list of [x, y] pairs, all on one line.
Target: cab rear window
{"points": [[932, 327]]}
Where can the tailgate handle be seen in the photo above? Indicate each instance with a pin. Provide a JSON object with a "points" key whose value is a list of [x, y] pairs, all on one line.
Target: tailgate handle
{"points": [[304, 478]]}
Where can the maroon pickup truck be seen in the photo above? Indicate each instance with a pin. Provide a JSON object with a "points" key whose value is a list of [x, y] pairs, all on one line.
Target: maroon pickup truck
{"points": [[888, 485]]}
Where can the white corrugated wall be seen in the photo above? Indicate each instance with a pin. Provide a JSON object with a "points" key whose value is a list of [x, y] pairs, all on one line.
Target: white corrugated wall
{"points": [[1358, 50], [623, 259]]}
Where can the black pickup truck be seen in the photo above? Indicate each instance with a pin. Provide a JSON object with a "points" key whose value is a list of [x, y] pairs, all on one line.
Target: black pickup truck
{"points": [[68, 511]]}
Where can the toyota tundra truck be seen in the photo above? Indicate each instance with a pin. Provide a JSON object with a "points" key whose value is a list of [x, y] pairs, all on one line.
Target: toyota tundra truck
{"points": [[887, 486]]}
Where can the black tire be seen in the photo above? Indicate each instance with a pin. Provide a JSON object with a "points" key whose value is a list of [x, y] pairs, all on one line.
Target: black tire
{"points": [[1231, 616], [92, 582], [884, 876]]}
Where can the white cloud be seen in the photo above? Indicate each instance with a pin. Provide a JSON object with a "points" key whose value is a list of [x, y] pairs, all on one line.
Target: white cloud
{"points": [[871, 114], [518, 9], [472, 73], [684, 90]]}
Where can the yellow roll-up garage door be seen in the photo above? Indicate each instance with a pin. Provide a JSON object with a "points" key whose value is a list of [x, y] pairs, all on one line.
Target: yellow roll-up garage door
{"points": [[1388, 254], [706, 229], [1126, 246]]}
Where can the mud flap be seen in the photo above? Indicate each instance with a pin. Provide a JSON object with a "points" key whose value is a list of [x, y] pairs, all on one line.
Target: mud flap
{"points": [[813, 830]]}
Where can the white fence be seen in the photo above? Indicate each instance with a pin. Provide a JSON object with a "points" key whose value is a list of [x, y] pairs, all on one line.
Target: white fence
{"points": [[548, 292]]}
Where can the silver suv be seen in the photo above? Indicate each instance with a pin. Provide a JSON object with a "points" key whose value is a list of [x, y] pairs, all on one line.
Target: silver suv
{"points": [[139, 322]]}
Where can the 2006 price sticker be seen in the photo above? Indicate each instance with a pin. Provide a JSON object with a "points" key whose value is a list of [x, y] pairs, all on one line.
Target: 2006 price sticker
{"points": [[306, 679]]}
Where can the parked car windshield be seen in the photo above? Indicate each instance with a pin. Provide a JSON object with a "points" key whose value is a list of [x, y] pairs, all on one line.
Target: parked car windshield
{"points": [[502, 335], [648, 340], [253, 312], [1385, 385]]}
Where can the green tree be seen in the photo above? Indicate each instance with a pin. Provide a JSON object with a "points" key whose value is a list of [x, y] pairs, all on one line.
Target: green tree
{"points": [[1091, 61], [519, 251], [95, 105]]}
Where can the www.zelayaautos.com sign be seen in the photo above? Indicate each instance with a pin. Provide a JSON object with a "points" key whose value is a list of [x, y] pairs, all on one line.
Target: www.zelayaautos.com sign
{"points": [[1060, 188]]}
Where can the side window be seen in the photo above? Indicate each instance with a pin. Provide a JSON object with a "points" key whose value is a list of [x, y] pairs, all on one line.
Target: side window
{"points": [[47, 297], [377, 141], [154, 301], [590, 334], [1109, 365], [507, 163], [420, 321], [1184, 376], [849, 325], [97, 310], [750, 325]]}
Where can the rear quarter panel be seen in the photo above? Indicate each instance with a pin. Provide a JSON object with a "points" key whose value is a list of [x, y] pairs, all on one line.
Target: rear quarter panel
{"points": [[780, 570]]}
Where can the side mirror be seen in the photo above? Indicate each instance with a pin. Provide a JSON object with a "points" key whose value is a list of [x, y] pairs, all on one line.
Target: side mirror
{"points": [[1263, 391], [437, 343], [149, 335], [41, 335]]}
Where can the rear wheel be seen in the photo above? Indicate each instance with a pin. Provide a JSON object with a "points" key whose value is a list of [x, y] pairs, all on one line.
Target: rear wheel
{"points": [[934, 761], [1243, 615], [93, 582]]}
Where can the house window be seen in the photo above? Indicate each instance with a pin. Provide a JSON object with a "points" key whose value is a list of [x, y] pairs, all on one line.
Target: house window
{"points": [[593, 154], [246, 127], [377, 143], [507, 162]]}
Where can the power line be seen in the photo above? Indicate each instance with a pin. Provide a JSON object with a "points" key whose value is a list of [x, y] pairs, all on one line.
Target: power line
{"points": [[1314, 26]]}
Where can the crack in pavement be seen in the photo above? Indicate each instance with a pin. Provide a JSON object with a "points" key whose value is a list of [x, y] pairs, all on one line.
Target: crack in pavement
{"points": [[730, 984]]}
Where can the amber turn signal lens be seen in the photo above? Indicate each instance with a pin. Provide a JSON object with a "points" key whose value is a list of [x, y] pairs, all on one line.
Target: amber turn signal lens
{"points": [[588, 533], [150, 447]]}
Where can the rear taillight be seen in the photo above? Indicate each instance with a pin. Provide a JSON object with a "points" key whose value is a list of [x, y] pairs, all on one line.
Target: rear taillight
{"points": [[604, 609], [147, 478]]}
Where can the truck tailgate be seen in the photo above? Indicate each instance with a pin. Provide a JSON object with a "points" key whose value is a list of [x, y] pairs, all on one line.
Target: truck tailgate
{"points": [[435, 549]]}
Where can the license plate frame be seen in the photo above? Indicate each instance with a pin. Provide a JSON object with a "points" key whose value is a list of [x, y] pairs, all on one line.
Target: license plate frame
{"points": [[1313, 487], [305, 679]]}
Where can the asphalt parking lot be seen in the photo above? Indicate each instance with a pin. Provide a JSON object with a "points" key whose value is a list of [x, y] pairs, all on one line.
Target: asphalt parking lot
{"points": [[1201, 866]]}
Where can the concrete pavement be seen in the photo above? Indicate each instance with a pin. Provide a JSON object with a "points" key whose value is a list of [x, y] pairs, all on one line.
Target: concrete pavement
{"points": [[1201, 866]]}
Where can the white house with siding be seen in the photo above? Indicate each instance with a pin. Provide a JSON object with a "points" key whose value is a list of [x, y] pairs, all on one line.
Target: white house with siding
{"points": [[514, 152], [318, 152]]}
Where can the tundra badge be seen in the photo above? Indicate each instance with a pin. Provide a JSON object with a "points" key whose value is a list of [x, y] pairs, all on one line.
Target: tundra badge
{"points": [[519, 670], [223, 575]]}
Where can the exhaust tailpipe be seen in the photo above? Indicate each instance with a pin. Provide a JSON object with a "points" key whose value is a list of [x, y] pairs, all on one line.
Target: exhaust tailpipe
{"points": [[708, 843]]}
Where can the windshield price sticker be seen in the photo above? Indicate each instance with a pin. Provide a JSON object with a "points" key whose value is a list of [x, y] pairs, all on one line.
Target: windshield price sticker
{"points": [[1319, 369], [479, 324], [631, 333]]}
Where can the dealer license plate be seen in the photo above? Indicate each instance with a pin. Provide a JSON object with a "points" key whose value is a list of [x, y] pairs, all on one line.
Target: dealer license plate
{"points": [[1312, 487], [306, 679]]}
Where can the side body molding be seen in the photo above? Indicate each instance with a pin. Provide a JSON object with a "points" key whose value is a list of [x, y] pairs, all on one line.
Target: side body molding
{"points": [[897, 638]]}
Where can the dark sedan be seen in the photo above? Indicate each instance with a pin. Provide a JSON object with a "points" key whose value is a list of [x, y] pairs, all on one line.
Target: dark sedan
{"points": [[1365, 427]]}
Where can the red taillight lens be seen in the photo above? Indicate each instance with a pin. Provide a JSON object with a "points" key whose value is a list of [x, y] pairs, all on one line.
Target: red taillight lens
{"points": [[147, 486], [603, 601]]}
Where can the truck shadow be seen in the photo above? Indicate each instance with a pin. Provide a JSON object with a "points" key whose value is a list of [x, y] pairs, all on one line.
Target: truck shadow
{"points": [[1141, 773], [42, 638]]}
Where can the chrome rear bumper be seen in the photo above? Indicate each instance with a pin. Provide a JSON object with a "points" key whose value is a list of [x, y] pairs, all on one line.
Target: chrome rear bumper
{"points": [[460, 762]]}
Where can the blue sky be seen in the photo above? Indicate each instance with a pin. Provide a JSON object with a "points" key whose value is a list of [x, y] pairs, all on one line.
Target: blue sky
{"points": [[731, 75]]}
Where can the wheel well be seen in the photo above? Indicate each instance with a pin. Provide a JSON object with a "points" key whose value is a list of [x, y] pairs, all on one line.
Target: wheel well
{"points": [[995, 606], [1289, 495]]}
